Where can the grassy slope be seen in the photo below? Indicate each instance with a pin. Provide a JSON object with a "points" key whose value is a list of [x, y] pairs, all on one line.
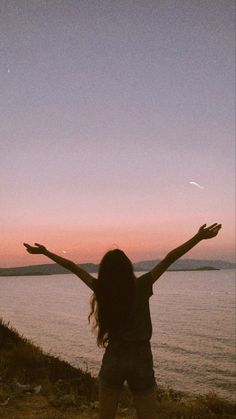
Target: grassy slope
{"points": [[69, 393]]}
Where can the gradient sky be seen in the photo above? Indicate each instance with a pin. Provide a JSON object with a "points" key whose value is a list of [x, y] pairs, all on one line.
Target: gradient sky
{"points": [[108, 110]]}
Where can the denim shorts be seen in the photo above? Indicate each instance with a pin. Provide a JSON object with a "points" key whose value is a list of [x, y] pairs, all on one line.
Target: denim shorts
{"points": [[131, 362]]}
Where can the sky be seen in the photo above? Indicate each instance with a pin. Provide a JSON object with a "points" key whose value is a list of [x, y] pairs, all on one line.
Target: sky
{"points": [[109, 109]]}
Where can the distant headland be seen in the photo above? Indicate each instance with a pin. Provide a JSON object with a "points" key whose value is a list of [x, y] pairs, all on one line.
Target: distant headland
{"points": [[142, 266]]}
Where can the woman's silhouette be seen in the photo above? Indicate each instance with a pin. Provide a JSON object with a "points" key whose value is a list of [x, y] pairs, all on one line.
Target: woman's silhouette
{"points": [[120, 310]]}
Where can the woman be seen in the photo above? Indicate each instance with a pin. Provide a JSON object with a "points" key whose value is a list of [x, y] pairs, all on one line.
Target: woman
{"points": [[120, 309]]}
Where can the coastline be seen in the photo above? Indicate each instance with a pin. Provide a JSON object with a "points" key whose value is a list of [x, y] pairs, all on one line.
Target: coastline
{"points": [[34, 384], [207, 268]]}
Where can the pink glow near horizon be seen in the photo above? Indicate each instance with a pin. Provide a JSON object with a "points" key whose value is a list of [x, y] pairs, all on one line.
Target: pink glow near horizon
{"points": [[107, 117], [89, 246]]}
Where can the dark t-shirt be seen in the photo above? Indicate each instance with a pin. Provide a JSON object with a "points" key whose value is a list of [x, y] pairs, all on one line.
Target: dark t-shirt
{"points": [[139, 326]]}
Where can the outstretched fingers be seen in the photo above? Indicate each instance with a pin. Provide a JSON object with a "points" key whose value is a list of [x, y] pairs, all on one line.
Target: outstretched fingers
{"points": [[28, 247], [31, 249], [217, 227], [214, 230], [212, 226], [209, 232]]}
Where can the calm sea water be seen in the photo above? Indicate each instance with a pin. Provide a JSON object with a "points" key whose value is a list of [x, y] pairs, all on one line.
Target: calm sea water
{"points": [[193, 317]]}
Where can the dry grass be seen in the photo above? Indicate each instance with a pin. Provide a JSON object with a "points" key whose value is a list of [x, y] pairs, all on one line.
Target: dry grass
{"points": [[22, 361]]}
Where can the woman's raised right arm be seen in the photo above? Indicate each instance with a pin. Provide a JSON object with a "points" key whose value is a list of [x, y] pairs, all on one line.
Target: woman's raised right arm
{"points": [[66, 263]]}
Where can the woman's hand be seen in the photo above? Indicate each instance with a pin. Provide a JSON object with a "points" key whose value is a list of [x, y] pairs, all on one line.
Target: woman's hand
{"points": [[38, 249], [208, 232]]}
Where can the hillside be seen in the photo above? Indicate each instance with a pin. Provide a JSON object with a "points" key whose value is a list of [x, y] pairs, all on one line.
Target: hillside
{"points": [[35, 385]]}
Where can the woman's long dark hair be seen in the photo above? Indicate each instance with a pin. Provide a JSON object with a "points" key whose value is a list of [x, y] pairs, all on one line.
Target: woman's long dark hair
{"points": [[113, 295]]}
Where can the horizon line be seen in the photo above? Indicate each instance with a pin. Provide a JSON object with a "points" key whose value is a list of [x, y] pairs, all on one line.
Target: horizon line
{"points": [[143, 260]]}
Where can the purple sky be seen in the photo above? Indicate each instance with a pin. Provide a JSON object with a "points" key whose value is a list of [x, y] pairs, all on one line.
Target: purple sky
{"points": [[108, 110]]}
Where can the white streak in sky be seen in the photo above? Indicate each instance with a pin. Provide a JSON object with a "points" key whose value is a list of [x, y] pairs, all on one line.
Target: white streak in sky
{"points": [[197, 185]]}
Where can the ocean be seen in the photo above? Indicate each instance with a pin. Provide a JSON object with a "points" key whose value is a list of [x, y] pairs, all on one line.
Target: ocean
{"points": [[193, 317]]}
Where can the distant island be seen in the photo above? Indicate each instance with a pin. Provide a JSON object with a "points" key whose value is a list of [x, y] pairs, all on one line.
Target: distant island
{"points": [[142, 266], [204, 268]]}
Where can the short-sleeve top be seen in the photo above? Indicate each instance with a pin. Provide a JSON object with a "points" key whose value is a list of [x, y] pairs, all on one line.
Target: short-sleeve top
{"points": [[139, 325]]}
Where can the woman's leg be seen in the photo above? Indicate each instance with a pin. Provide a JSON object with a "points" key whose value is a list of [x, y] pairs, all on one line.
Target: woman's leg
{"points": [[145, 405], [108, 401], [142, 381]]}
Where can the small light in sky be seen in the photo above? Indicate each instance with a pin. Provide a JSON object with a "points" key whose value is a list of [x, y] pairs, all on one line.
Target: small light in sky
{"points": [[197, 185], [8, 70], [63, 251]]}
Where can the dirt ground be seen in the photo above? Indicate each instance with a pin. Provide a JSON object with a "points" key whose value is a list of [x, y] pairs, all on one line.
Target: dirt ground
{"points": [[38, 407]]}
